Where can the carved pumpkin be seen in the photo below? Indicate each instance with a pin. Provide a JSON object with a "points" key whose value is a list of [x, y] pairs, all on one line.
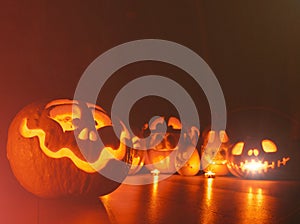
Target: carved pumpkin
{"points": [[166, 155], [263, 145], [214, 152], [137, 158], [48, 161]]}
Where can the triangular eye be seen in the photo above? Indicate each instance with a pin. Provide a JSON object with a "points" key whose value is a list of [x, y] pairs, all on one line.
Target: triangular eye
{"points": [[175, 123], [223, 136], [268, 146], [211, 136], [238, 148], [65, 115], [101, 119], [69, 115]]}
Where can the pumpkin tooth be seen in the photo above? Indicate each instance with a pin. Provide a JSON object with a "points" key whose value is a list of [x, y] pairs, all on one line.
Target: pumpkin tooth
{"points": [[273, 165], [266, 166], [283, 162]]}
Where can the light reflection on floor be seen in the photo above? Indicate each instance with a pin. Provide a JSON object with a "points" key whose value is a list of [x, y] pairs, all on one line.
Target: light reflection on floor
{"points": [[176, 199], [213, 200]]}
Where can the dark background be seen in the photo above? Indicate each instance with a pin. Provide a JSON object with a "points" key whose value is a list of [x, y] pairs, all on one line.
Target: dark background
{"points": [[253, 47]]}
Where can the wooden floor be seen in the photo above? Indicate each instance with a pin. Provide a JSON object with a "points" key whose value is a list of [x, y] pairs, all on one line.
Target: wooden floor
{"points": [[176, 199]]}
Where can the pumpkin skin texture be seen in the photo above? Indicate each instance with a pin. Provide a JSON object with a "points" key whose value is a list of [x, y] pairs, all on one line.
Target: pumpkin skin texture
{"points": [[192, 166], [49, 177], [263, 145]]}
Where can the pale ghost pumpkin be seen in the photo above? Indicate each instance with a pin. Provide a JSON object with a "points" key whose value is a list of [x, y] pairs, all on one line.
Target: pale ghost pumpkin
{"points": [[54, 150]]}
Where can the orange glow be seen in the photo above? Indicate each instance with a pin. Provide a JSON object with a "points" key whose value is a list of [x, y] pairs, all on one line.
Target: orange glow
{"points": [[255, 206], [211, 136], [214, 152], [209, 189], [223, 136], [254, 152], [188, 166], [210, 174], [106, 154], [162, 162], [175, 123], [155, 172], [254, 166], [257, 167], [155, 184], [238, 149], [66, 114], [136, 162], [268, 146]]}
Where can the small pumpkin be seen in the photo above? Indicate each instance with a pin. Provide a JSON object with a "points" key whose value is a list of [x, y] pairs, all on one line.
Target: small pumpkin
{"points": [[54, 149], [164, 153], [263, 145], [214, 152]]}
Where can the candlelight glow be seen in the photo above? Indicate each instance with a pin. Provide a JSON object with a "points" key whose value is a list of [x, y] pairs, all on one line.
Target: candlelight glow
{"points": [[210, 174], [254, 166], [155, 172]]}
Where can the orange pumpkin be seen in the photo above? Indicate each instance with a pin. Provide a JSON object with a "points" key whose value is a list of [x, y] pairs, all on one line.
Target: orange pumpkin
{"points": [[49, 161], [166, 154], [264, 145], [214, 152]]}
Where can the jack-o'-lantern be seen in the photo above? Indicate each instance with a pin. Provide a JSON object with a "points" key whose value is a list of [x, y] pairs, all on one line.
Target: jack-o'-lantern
{"points": [[50, 161], [165, 154], [214, 152], [263, 145], [137, 156]]}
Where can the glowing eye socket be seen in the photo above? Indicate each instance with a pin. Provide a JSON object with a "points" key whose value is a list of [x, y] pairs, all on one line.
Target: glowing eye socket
{"points": [[268, 146], [175, 123], [223, 136], [250, 152], [238, 148], [211, 136]]}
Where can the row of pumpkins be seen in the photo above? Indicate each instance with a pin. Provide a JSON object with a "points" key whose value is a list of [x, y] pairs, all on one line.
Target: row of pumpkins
{"points": [[49, 161]]}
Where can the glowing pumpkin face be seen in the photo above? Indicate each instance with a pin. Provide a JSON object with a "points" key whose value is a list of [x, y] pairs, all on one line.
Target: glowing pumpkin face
{"points": [[166, 155], [214, 152], [55, 151], [263, 147], [256, 158]]}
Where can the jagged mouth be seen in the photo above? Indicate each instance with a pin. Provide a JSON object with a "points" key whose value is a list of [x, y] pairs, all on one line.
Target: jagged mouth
{"points": [[257, 166], [106, 154]]}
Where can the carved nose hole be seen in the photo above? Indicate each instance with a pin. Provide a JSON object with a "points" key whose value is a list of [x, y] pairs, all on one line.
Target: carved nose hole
{"points": [[84, 134], [255, 152], [93, 136], [250, 152]]}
